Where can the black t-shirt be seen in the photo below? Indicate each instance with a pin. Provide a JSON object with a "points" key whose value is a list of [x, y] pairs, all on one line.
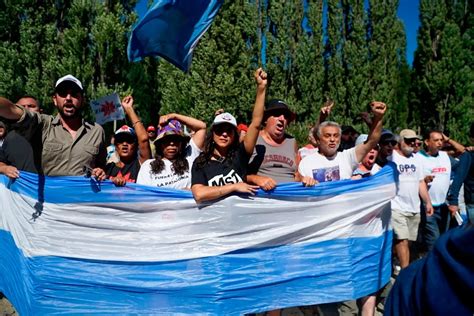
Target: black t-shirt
{"points": [[17, 151], [129, 171], [215, 173]]}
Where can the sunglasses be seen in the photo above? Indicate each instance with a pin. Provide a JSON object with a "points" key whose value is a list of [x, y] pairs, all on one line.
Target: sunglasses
{"points": [[171, 139], [62, 92], [410, 142], [279, 113], [223, 128], [125, 139], [388, 142]]}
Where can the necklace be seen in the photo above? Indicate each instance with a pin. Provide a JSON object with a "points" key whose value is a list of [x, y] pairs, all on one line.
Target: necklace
{"points": [[219, 159]]}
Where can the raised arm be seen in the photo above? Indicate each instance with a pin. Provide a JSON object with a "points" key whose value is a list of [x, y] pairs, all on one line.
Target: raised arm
{"points": [[457, 146], [142, 136], [197, 126], [250, 138], [324, 113], [9, 110], [378, 111]]}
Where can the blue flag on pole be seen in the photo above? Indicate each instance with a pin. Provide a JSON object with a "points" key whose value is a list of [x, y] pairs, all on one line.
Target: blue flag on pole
{"points": [[171, 29]]}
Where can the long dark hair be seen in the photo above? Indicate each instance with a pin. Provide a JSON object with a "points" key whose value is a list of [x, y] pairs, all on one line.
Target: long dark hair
{"points": [[209, 147], [179, 165]]}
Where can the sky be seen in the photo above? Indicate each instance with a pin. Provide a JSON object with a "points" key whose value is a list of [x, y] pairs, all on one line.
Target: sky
{"points": [[407, 12]]}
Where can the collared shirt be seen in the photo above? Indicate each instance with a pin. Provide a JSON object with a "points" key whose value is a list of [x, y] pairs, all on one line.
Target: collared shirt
{"points": [[61, 154]]}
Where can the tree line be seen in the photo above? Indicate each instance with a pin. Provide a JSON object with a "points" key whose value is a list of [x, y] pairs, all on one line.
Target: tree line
{"points": [[349, 51]]}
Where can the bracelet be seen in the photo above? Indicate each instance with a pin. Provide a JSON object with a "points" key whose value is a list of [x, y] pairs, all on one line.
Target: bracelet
{"points": [[133, 125]]}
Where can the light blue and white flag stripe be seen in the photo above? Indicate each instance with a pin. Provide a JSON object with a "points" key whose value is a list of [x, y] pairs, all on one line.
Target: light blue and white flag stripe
{"points": [[71, 245]]}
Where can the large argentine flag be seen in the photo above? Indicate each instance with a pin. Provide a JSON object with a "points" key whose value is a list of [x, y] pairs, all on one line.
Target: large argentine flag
{"points": [[71, 245]]}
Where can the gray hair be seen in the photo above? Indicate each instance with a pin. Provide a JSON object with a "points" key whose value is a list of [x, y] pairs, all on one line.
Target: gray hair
{"points": [[326, 124]]}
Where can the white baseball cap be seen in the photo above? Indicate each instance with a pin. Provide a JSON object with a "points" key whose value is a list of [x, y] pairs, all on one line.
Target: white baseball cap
{"points": [[225, 118], [70, 78], [361, 139]]}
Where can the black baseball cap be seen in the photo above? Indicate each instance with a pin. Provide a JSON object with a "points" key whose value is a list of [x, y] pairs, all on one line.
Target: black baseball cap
{"points": [[275, 105]]}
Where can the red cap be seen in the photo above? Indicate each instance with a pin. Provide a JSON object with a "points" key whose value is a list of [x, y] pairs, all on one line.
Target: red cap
{"points": [[151, 128]]}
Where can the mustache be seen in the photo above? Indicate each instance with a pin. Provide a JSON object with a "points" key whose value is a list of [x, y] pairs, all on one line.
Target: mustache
{"points": [[69, 104]]}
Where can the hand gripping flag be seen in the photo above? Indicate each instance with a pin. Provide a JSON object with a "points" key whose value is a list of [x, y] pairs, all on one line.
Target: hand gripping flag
{"points": [[171, 29], [73, 245]]}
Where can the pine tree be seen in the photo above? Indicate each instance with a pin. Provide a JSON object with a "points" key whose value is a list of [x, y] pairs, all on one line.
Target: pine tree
{"points": [[44, 41], [443, 89], [388, 71], [335, 81]]}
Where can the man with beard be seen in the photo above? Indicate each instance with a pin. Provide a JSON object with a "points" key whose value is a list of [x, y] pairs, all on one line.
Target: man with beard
{"points": [[69, 144], [406, 204]]}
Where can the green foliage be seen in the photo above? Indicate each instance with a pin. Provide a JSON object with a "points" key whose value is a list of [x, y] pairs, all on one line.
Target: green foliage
{"points": [[443, 86], [389, 76], [221, 75], [357, 57]]}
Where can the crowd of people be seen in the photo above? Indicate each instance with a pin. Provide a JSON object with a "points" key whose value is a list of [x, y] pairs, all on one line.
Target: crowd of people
{"points": [[434, 172]]}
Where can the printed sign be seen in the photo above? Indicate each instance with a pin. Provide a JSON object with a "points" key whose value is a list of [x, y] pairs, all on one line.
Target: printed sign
{"points": [[107, 109]]}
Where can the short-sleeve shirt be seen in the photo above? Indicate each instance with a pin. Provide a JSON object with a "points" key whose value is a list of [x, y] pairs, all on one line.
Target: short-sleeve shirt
{"points": [[219, 173], [440, 168], [410, 174], [167, 177], [17, 151], [323, 169], [129, 171], [60, 153]]}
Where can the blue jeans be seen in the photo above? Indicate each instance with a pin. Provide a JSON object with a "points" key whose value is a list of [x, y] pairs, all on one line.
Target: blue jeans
{"points": [[436, 224]]}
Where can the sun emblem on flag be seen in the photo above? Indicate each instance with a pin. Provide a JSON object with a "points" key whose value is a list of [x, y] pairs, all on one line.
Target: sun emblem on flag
{"points": [[107, 108]]}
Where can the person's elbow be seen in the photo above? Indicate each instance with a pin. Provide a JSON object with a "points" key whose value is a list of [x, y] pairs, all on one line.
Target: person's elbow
{"points": [[198, 194]]}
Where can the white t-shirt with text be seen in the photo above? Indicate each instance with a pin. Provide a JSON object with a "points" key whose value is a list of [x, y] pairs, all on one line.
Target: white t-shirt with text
{"points": [[440, 168], [410, 174], [167, 177]]}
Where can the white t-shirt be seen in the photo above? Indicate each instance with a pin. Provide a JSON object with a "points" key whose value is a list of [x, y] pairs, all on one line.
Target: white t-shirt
{"points": [[410, 174], [440, 168], [167, 177], [305, 151], [322, 169]]}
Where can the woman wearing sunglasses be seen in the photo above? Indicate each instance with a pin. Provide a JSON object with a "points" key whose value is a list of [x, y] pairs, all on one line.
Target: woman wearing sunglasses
{"points": [[132, 148], [221, 169], [175, 152]]}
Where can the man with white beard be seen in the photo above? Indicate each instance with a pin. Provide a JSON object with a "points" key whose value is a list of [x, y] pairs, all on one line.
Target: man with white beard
{"points": [[406, 204]]}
